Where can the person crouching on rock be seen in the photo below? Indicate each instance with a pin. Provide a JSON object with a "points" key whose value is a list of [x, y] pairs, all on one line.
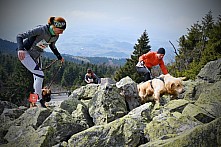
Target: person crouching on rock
{"points": [[91, 77]]}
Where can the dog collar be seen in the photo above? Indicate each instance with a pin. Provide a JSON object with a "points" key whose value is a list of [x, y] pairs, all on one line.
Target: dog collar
{"points": [[151, 84], [160, 78]]}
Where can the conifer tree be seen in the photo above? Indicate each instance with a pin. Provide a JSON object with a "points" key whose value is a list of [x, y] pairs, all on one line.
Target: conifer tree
{"points": [[213, 47], [199, 46], [20, 84], [129, 69], [68, 76]]}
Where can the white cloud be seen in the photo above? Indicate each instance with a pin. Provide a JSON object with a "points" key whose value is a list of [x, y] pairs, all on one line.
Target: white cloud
{"points": [[87, 15]]}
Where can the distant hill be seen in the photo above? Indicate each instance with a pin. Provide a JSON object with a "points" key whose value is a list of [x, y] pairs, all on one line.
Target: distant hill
{"points": [[93, 60], [10, 48], [114, 54]]}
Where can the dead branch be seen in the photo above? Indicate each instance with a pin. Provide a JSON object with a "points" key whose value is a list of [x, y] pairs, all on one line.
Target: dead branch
{"points": [[175, 50]]}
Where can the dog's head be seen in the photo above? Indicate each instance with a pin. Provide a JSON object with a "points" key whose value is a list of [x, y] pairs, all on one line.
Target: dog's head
{"points": [[174, 85], [46, 94]]}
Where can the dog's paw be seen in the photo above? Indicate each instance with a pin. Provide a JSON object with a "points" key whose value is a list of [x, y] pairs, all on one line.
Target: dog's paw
{"points": [[156, 106]]}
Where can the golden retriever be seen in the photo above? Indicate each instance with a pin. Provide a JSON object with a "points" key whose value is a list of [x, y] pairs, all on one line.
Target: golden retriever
{"points": [[165, 84]]}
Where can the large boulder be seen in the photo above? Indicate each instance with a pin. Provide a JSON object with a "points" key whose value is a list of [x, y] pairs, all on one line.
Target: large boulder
{"points": [[201, 135], [168, 125], [208, 105], [193, 89], [210, 72], [70, 105], [33, 117], [81, 115], [85, 92], [198, 113], [124, 131], [6, 105], [12, 113], [210, 99], [27, 136], [24, 127], [107, 105], [42, 127], [128, 89], [63, 125]]}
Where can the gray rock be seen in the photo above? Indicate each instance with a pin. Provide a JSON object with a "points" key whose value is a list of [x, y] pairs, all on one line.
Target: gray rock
{"points": [[211, 72], [106, 106], [85, 92], [63, 125], [129, 91], [70, 105], [201, 135], [121, 132], [198, 113], [8, 105], [210, 99]]}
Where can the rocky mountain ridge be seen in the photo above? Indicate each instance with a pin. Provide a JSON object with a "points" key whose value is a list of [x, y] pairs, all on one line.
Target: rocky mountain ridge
{"points": [[109, 114]]}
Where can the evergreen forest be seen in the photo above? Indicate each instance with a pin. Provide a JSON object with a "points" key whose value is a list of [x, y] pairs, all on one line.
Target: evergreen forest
{"points": [[16, 81]]}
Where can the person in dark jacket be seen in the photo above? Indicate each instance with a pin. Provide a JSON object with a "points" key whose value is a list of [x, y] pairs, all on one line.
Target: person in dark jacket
{"points": [[31, 45], [91, 77]]}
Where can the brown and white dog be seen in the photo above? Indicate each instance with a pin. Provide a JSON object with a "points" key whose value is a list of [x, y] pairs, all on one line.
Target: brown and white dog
{"points": [[165, 84]]}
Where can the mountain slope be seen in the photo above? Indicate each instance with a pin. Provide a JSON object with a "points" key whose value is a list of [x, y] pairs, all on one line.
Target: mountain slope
{"points": [[10, 48]]}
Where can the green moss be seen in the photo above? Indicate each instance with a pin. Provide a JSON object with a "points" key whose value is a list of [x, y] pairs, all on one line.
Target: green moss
{"points": [[202, 135]]}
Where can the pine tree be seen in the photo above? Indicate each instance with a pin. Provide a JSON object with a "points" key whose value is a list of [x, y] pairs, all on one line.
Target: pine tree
{"points": [[15, 80], [213, 47], [20, 84], [68, 76], [129, 69], [199, 46]]}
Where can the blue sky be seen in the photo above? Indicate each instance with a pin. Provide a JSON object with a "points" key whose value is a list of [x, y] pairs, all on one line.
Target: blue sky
{"points": [[122, 20]]}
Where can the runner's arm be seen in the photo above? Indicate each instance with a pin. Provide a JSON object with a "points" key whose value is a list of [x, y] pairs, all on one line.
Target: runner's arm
{"points": [[55, 50], [31, 35]]}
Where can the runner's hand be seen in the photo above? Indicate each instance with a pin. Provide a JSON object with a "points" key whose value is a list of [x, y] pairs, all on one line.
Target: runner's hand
{"points": [[62, 60], [21, 55]]}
